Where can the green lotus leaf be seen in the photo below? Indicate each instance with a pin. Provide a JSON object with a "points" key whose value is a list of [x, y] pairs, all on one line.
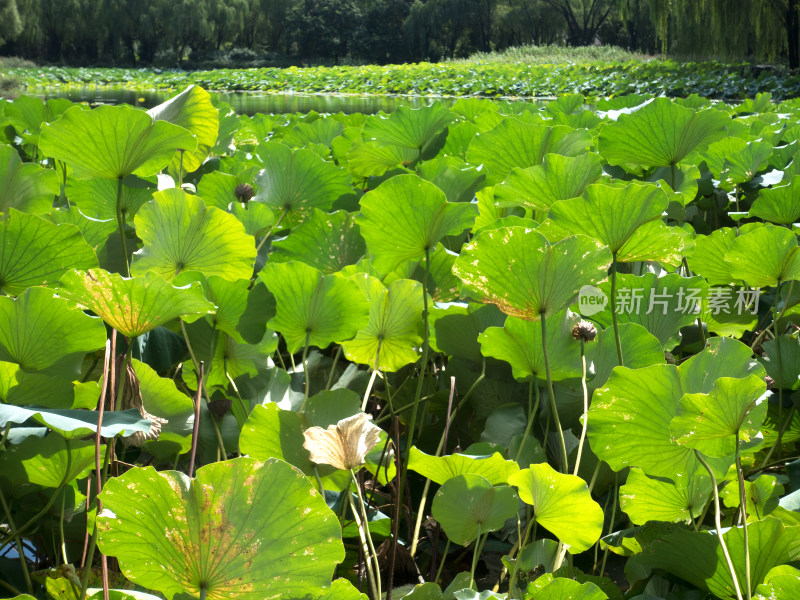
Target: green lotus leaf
{"points": [[519, 343], [645, 498], [455, 328], [134, 305], [525, 275], [655, 241], [229, 357], [231, 299], [697, 557], [374, 160], [426, 591], [77, 423], [640, 349], [312, 308], [94, 231], [662, 305], [257, 218], [711, 422], [561, 588], [27, 114], [610, 214], [629, 420], [494, 468], [442, 284], [778, 204], [764, 256], [321, 131], [516, 144], [708, 258], [240, 529], [781, 583], [271, 432], [39, 331], [295, 181], [680, 182], [562, 504], [25, 186], [181, 234], [21, 388], [111, 142], [97, 198], [660, 133], [453, 176], [391, 339], [34, 251], [191, 109], [734, 161], [763, 495], [557, 178], [788, 377], [729, 311], [418, 215], [218, 189], [467, 506], [459, 137], [161, 398], [418, 129], [48, 461], [328, 242]]}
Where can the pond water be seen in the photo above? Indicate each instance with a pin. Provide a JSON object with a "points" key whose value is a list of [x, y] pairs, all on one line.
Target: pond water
{"points": [[249, 103]]}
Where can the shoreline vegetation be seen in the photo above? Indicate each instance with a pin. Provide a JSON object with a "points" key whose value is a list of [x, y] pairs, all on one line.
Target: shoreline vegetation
{"points": [[529, 71]]}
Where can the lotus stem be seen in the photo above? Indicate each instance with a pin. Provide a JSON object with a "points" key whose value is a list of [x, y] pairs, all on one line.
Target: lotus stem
{"points": [[202, 384], [305, 374], [520, 544], [585, 409], [476, 553], [271, 229], [420, 381], [718, 525], [87, 568], [333, 367], [368, 391], [121, 227], [743, 499], [366, 538], [444, 558], [779, 382], [196, 424], [533, 407], [614, 308], [421, 509], [18, 542], [553, 408]]}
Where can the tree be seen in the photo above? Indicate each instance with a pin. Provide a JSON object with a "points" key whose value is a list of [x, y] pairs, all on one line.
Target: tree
{"points": [[10, 23], [583, 18], [323, 28]]}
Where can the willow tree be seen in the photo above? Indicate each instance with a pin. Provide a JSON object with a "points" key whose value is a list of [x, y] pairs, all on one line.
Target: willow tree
{"points": [[764, 30]]}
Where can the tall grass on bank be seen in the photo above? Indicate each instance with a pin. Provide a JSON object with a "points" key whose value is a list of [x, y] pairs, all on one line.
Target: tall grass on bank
{"points": [[553, 54]]}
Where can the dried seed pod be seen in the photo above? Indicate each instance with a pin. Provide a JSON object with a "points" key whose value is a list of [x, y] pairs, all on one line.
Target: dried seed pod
{"points": [[584, 331], [220, 406], [132, 398], [244, 192]]}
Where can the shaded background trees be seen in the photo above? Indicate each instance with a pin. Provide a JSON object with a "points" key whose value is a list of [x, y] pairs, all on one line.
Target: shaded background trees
{"points": [[196, 32]]}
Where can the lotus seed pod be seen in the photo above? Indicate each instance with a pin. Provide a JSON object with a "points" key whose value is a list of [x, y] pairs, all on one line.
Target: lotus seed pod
{"points": [[244, 192], [584, 331]]}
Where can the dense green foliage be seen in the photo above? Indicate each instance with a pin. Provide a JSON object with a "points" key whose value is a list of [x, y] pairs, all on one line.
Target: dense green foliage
{"points": [[237, 33], [561, 339], [594, 79]]}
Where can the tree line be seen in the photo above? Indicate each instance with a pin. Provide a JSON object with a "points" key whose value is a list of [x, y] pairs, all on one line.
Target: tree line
{"points": [[191, 32]]}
